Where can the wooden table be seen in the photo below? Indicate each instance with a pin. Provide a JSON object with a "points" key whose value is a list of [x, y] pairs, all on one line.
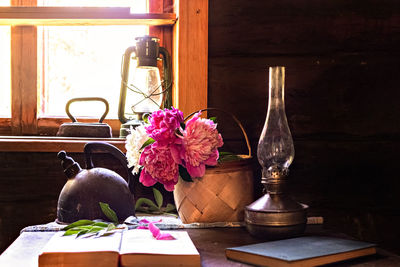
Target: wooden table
{"points": [[211, 244]]}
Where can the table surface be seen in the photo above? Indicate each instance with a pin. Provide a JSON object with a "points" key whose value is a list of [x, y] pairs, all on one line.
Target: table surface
{"points": [[210, 242]]}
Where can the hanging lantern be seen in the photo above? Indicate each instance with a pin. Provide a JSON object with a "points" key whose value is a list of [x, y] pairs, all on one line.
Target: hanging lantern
{"points": [[142, 90]]}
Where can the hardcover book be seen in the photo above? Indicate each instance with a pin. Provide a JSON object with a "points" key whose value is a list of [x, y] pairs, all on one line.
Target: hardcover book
{"points": [[301, 251], [129, 248]]}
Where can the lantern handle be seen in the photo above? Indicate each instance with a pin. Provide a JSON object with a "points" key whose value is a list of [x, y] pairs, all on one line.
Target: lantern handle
{"points": [[167, 77], [124, 79]]}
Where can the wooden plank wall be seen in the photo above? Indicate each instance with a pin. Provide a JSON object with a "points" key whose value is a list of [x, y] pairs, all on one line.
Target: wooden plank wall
{"points": [[342, 94], [342, 100]]}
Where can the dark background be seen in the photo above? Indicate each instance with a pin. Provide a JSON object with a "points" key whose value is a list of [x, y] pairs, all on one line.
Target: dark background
{"points": [[342, 100], [342, 94]]}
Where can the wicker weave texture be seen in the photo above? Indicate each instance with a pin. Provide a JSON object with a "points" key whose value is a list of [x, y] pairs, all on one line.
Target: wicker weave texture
{"points": [[219, 196]]}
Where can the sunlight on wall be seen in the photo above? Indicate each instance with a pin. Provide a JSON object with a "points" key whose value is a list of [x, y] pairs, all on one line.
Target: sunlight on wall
{"points": [[5, 68]]}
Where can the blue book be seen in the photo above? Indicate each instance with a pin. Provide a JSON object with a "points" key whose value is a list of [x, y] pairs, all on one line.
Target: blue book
{"points": [[301, 251]]}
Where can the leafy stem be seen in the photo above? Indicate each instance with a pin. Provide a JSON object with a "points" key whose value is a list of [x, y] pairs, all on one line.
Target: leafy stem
{"points": [[92, 228], [148, 206]]}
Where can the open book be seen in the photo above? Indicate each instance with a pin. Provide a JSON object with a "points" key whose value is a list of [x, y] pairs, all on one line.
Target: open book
{"points": [[129, 248]]}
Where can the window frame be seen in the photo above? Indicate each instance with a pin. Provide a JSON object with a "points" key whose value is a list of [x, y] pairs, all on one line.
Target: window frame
{"points": [[190, 62]]}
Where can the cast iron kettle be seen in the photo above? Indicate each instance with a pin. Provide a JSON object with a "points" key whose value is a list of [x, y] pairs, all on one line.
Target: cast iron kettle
{"points": [[81, 129], [85, 188]]}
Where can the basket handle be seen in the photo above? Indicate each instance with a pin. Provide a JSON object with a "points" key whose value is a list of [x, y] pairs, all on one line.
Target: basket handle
{"points": [[233, 117]]}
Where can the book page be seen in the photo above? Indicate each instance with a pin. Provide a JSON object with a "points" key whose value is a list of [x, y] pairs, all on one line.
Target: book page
{"points": [[60, 244], [142, 242], [72, 251]]}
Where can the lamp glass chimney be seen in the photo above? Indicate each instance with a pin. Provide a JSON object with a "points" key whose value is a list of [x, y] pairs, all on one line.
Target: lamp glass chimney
{"points": [[275, 148]]}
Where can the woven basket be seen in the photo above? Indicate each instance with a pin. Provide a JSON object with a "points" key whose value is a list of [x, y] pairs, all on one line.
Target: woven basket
{"points": [[221, 194]]}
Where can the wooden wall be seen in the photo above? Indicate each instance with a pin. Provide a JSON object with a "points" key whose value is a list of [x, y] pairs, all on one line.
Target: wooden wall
{"points": [[342, 100], [342, 104]]}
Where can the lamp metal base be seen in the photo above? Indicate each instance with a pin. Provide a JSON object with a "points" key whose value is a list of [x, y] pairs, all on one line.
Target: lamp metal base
{"points": [[276, 217]]}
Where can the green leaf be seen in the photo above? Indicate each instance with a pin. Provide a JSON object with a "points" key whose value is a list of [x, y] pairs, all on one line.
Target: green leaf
{"points": [[184, 174], [148, 202], [107, 233], [146, 117], [171, 214], [71, 232], [82, 232], [83, 227], [142, 209], [110, 214], [102, 224], [95, 229], [148, 142], [227, 156], [110, 227], [78, 223], [214, 119], [169, 208], [158, 197], [224, 153], [149, 210]]}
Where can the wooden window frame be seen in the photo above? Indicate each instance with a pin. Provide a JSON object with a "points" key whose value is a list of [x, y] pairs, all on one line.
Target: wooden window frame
{"points": [[181, 25]]}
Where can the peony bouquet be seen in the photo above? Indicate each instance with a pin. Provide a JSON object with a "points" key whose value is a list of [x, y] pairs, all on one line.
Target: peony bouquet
{"points": [[167, 148]]}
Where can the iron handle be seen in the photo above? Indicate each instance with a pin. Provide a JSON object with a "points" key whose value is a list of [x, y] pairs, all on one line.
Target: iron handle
{"points": [[81, 99]]}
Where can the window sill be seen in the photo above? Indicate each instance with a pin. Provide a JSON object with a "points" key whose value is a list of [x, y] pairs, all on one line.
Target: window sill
{"points": [[48, 126], [52, 144], [80, 16]]}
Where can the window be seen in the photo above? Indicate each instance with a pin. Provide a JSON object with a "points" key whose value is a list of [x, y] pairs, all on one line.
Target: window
{"points": [[84, 61], [34, 106]]}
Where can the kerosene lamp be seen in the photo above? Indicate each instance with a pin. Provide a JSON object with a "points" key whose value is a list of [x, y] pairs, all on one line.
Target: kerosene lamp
{"points": [[142, 90], [275, 215]]}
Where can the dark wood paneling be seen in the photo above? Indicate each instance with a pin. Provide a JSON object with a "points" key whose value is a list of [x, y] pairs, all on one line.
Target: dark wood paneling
{"points": [[239, 28], [354, 95], [342, 91]]}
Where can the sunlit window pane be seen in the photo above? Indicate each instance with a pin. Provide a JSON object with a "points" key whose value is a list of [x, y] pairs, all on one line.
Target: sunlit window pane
{"points": [[5, 68], [84, 61], [139, 6]]}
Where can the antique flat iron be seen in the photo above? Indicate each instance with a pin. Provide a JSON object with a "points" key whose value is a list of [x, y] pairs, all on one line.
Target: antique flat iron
{"points": [[80, 129]]}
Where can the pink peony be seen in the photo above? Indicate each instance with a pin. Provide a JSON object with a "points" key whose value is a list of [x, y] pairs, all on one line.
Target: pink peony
{"points": [[200, 145], [159, 166], [163, 124]]}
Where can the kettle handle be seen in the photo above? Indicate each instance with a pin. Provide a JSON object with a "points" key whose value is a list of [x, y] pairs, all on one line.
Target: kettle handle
{"points": [[91, 146]]}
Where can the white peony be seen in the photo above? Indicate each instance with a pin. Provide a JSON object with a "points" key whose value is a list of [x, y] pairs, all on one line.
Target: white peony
{"points": [[134, 141]]}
